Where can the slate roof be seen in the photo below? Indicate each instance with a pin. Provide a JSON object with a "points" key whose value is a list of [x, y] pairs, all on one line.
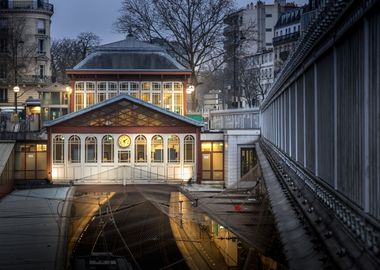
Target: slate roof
{"points": [[290, 17], [120, 98], [130, 54]]}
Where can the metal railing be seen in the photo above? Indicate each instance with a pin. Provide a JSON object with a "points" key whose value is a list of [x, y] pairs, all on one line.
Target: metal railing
{"points": [[286, 38], [360, 225], [28, 5]]}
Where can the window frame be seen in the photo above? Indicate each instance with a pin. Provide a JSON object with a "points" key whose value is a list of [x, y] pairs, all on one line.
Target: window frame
{"points": [[74, 140]]}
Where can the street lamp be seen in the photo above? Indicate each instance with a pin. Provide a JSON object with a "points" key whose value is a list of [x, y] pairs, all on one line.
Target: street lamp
{"points": [[16, 89], [237, 43], [69, 90]]}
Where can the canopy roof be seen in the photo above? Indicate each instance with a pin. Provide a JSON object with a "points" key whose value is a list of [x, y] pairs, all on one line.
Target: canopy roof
{"points": [[123, 111]]}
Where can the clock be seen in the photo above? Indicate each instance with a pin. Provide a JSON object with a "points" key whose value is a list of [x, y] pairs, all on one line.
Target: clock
{"points": [[124, 141]]}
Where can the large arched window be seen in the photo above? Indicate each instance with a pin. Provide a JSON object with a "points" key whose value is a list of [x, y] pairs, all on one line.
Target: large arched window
{"points": [[173, 149], [58, 149], [189, 146], [74, 149], [107, 149], [157, 149], [140, 149], [91, 150]]}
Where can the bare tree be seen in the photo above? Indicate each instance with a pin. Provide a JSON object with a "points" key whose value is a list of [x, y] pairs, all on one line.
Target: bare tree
{"points": [[17, 54], [86, 42], [192, 30], [66, 53], [253, 80]]}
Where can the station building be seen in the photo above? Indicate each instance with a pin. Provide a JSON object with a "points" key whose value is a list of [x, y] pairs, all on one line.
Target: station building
{"points": [[128, 122]]}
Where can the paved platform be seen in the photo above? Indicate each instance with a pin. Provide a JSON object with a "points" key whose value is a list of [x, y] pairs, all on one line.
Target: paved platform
{"points": [[245, 212], [31, 231]]}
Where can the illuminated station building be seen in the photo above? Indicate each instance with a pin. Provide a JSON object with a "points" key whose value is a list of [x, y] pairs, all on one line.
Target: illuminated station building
{"points": [[128, 121]]}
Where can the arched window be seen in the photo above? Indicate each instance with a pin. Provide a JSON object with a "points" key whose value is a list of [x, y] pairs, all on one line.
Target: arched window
{"points": [[107, 149], [140, 149], [189, 146], [58, 149], [91, 150], [173, 149], [157, 149], [74, 149]]}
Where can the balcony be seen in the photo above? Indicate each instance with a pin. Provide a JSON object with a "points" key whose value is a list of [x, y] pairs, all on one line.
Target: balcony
{"points": [[286, 38], [27, 5]]}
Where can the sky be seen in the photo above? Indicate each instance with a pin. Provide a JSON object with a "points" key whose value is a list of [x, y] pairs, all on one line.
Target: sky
{"points": [[72, 17]]}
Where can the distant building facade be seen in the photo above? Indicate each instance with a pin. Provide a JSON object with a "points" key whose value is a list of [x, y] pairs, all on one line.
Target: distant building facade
{"points": [[287, 33], [24, 48], [249, 31]]}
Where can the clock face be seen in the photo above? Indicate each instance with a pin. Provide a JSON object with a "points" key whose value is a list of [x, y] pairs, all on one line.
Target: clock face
{"points": [[124, 141]]}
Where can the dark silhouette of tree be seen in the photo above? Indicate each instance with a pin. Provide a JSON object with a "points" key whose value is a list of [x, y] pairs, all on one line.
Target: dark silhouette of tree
{"points": [[192, 30], [66, 53]]}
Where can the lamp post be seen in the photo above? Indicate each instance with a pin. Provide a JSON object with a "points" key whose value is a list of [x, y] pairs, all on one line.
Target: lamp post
{"points": [[16, 88], [189, 90], [237, 43], [69, 90]]}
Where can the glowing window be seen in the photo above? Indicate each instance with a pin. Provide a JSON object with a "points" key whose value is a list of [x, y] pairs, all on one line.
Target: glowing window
{"points": [[157, 149], [107, 149], [91, 150], [74, 149], [173, 149], [189, 147], [58, 149], [140, 149]]}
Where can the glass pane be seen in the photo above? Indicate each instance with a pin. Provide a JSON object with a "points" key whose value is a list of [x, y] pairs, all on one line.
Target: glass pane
{"points": [[206, 175], [156, 99], [217, 175], [91, 152], [206, 147], [217, 146], [124, 156], [90, 99], [30, 161], [173, 149], [41, 160], [189, 152], [168, 101], [20, 161], [55, 98], [206, 162], [145, 97], [217, 162]]}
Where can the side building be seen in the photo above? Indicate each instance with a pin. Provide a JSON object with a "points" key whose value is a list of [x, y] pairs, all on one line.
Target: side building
{"points": [[287, 33], [24, 49], [248, 31]]}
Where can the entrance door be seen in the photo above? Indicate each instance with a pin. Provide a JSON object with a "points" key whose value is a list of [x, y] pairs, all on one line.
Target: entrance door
{"points": [[212, 161], [248, 160]]}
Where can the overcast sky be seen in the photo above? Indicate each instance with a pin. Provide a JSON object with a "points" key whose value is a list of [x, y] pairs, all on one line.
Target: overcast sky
{"points": [[72, 17]]}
